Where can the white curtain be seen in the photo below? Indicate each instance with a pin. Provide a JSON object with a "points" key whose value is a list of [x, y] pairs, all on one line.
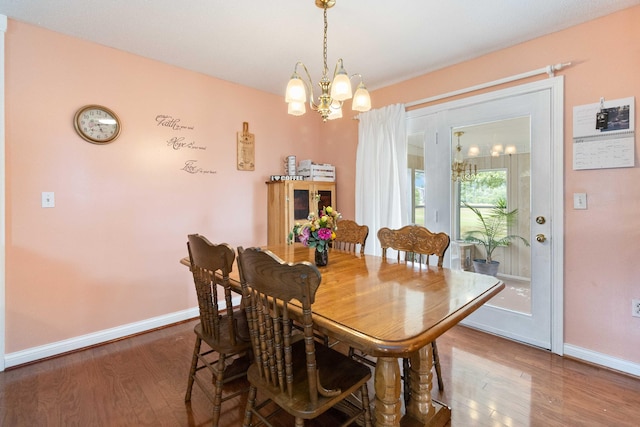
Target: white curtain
{"points": [[381, 172]]}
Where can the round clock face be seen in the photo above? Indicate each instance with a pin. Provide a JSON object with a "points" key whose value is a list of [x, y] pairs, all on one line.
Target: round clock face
{"points": [[97, 124]]}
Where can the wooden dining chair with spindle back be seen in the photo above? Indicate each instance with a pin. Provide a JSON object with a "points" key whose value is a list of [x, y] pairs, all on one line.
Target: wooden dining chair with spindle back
{"points": [[413, 243], [291, 368], [349, 235], [223, 329]]}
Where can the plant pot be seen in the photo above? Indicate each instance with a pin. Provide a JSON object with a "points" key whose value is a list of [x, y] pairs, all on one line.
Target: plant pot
{"points": [[481, 266]]}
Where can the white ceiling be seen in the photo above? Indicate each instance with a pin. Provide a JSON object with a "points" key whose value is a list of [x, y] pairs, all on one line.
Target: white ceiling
{"points": [[256, 43]]}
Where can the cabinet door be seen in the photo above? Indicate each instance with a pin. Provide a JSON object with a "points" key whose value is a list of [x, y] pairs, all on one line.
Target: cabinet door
{"points": [[302, 199], [324, 195], [309, 197]]}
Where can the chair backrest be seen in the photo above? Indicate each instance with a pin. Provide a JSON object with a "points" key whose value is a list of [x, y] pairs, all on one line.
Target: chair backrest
{"points": [[268, 286], [349, 235], [414, 241], [210, 266]]}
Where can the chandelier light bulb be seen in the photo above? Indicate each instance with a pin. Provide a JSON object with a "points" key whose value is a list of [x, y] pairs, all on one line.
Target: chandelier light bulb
{"points": [[361, 99], [296, 108], [335, 114], [296, 91], [341, 86], [474, 150]]}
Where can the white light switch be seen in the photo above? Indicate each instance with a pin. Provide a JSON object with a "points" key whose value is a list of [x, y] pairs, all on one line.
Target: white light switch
{"points": [[579, 200], [48, 199]]}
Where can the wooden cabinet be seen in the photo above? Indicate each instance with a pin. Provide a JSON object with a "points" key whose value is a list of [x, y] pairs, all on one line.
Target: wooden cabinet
{"points": [[289, 202]]}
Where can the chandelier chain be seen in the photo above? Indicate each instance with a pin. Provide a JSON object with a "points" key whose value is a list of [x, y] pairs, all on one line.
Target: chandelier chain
{"points": [[324, 41]]}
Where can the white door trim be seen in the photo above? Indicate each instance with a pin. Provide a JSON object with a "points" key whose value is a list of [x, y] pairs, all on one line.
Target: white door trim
{"points": [[556, 85], [3, 205]]}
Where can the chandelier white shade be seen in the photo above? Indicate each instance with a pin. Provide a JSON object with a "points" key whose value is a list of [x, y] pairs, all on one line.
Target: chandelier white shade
{"points": [[295, 90], [333, 92]]}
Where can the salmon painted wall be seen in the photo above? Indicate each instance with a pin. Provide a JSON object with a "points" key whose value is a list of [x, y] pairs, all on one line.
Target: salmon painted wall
{"points": [[107, 254], [602, 272]]}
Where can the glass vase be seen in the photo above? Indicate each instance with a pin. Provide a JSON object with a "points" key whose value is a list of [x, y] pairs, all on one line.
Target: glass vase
{"points": [[322, 257]]}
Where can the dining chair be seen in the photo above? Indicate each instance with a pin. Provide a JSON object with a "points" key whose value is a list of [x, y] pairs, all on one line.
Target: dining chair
{"points": [[223, 329], [349, 235], [416, 243], [291, 368]]}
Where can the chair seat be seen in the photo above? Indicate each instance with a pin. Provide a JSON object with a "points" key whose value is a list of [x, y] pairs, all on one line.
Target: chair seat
{"points": [[223, 344], [337, 371]]}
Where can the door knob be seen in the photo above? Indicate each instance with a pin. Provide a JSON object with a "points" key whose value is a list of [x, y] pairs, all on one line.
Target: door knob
{"points": [[541, 238]]}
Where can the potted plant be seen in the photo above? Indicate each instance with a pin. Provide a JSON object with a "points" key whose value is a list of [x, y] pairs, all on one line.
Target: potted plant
{"points": [[492, 233]]}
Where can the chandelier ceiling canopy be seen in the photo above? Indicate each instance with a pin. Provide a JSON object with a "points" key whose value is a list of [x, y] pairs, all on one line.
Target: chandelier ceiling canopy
{"points": [[333, 92]]}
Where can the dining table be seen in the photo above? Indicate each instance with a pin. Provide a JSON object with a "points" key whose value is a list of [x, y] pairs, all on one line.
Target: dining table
{"points": [[391, 309]]}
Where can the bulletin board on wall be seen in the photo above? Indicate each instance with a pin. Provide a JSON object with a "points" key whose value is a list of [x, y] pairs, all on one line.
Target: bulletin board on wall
{"points": [[604, 134]]}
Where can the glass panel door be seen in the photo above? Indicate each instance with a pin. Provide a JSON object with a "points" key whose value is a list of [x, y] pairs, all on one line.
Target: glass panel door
{"points": [[512, 134], [301, 206], [324, 199], [500, 153]]}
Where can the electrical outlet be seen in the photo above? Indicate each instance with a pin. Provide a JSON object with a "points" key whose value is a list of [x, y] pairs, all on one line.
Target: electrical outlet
{"points": [[635, 307]]}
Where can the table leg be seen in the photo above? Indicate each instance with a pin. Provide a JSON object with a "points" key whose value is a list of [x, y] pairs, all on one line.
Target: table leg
{"points": [[421, 407], [387, 387]]}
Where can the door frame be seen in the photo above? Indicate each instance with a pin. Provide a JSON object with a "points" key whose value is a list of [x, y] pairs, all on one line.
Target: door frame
{"points": [[3, 183], [556, 87]]}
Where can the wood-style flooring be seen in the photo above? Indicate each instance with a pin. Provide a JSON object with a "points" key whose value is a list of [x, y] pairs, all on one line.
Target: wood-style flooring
{"points": [[141, 381]]}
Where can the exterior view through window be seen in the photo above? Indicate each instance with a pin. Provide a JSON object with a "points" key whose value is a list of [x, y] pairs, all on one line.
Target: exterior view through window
{"points": [[417, 184], [416, 177], [483, 193]]}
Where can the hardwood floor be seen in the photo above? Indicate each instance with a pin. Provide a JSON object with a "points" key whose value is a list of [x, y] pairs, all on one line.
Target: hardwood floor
{"points": [[141, 381]]}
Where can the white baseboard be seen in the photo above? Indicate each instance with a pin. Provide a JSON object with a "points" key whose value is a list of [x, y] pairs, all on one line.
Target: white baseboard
{"points": [[602, 359], [60, 347]]}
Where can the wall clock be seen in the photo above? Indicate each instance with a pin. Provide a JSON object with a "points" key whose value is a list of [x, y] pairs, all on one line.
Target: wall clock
{"points": [[97, 124]]}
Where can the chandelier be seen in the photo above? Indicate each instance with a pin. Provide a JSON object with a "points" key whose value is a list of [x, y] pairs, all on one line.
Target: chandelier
{"points": [[461, 170], [333, 93]]}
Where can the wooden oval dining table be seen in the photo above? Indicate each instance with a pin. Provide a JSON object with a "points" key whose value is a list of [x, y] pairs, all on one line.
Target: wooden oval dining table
{"points": [[391, 309]]}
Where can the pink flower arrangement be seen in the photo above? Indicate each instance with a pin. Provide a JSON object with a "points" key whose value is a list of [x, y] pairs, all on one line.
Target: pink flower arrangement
{"points": [[318, 231]]}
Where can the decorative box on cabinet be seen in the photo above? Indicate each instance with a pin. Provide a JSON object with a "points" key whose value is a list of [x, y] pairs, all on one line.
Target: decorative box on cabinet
{"points": [[289, 202]]}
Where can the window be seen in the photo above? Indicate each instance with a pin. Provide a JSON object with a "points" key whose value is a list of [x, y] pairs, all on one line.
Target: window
{"points": [[416, 177], [417, 199], [483, 193]]}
